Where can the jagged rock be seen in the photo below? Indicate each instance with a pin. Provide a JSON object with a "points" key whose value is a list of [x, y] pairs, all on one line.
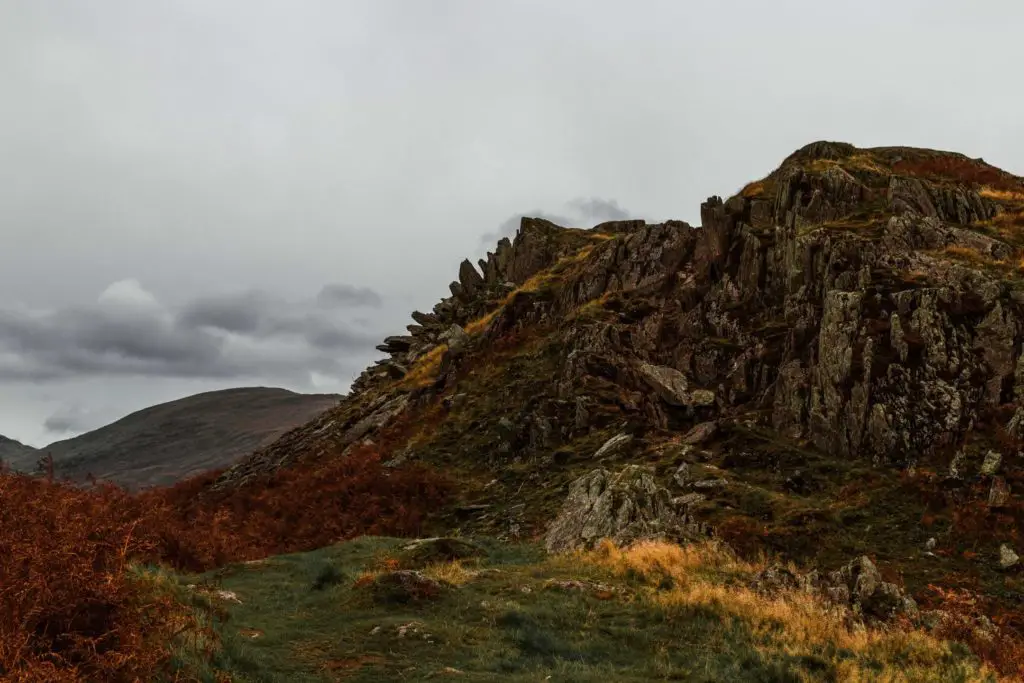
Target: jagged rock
{"points": [[469, 278], [673, 387], [993, 459], [682, 475], [701, 433], [427, 320], [709, 484], [456, 339], [1008, 558], [458, 291], [956, 466], [999, 493], [930, 544], [397, 344], [625, 507], [688, 500], [613, 445]]}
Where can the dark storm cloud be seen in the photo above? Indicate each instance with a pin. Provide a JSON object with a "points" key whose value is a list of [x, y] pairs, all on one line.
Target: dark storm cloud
{"points": [[599, 210], [70, 419], [239, 313], [337, 295], [128, 332], [578, 213]]}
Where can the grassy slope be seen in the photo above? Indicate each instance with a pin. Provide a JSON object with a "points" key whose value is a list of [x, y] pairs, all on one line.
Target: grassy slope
{"points": [[656, 613]]}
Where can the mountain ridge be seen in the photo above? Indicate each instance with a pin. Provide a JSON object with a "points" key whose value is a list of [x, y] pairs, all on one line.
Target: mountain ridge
{"points": [[169, 441]]}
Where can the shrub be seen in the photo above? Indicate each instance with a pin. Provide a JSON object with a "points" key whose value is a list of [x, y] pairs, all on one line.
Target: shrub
{"points": [[73, 606]]}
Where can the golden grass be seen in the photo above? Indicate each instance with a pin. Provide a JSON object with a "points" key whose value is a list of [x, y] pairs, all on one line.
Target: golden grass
{"points": [[858, 162], [480, 324], [753, 190], [426, 367], [453, 572], [1002, 195], [709, 576]]}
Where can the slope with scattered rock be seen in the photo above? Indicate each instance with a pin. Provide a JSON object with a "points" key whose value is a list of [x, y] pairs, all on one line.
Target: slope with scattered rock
{"points": [[828, 369]]}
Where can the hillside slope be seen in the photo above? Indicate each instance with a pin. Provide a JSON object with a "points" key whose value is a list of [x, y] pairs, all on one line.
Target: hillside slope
{"points": [[165, 443], [16, 454], [829, 367]]}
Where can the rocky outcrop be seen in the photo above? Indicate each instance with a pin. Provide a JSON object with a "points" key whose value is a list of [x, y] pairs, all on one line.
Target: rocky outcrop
{"points": [[832, 299], [857, 587], [625, 507]]}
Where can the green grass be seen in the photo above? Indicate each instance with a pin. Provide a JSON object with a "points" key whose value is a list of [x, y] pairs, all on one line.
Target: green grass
{"points": [[314, 621]]}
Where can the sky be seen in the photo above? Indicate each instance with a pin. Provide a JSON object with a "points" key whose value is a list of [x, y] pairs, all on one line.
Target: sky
{"points": [[199, 194]]}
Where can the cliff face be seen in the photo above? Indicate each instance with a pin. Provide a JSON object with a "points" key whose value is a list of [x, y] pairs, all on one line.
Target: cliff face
{"points": [[852, 319]]}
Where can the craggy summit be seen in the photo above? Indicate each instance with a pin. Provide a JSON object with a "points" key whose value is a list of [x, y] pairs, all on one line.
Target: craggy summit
{"points": [[829, 367]]}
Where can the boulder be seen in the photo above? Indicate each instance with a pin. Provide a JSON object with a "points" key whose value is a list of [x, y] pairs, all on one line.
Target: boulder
{"points": [[625, 507], [404, 586], [670, 384], [701, 433], [1008, 558], [993, 459]]}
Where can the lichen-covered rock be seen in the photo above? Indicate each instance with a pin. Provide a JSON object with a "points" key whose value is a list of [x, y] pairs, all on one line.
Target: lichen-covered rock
{"points": [[993, 459], [1008, 557], [625, 507]]}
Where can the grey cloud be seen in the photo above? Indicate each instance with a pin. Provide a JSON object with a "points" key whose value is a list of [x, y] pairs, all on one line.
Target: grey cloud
{"points": [[240, 313], [70, 419], [338, 295], [250, 334], [600, 210], [261, 316]]}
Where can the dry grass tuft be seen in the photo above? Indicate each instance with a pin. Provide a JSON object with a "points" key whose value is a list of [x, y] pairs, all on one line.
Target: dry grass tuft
{"points": [[753, 190], [425, 369], [453, 572], [1003, 195]]}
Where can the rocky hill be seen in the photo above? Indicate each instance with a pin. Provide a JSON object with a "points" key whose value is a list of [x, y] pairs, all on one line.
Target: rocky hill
{"points": [[829, 367], [165, 443]]}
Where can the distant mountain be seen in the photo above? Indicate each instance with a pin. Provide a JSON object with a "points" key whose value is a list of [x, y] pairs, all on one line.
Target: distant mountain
{"points": [[168, 442], [16, 454]]}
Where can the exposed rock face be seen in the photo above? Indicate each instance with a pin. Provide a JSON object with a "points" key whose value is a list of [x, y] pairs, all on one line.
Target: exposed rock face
{"points": [[834, 297], [625, 508]]}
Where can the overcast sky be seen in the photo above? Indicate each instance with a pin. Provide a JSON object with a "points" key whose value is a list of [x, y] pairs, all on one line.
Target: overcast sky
{"points": [[197, 194]]}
